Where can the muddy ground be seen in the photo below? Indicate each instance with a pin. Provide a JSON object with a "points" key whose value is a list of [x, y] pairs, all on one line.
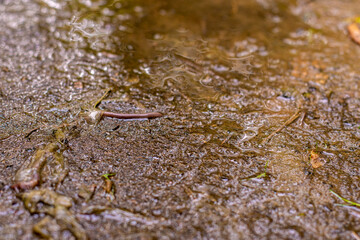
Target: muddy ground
{"points": [[260, 126]]}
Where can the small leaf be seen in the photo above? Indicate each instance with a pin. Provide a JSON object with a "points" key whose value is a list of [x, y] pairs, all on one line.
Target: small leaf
{"points": [[107, 175]]}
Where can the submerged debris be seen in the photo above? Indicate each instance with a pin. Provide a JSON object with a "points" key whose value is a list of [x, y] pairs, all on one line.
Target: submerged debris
{"points": [[285, 124], [56, 206], [261, 175]]}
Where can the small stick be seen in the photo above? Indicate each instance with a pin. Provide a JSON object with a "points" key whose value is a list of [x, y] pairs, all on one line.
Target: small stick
{"points": [[288, 122], [131, 116], [31, 132], [227, 138], [97, 115], [355, 235], [97, 103]]}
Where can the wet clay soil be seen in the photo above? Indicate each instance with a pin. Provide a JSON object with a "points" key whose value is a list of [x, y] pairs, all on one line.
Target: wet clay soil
{"points": [[261, 115]]}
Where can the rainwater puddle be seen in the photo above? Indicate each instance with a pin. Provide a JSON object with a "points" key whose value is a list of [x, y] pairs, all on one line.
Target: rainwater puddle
{"points": [[260, 119]]}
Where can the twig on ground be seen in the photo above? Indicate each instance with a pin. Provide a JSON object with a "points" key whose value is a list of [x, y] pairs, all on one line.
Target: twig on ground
{"points": [[288, 122], [227, 138], [345, 200], [31, 132], [96, 115], [355, 235], [97, 103]]}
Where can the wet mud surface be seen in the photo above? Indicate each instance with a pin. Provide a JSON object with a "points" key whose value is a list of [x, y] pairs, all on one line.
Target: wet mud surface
{"points": [[260, 119]]}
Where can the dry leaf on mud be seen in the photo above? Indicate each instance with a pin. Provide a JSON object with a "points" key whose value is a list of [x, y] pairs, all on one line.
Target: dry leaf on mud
{"points": [[354, 32], [315, 160]]}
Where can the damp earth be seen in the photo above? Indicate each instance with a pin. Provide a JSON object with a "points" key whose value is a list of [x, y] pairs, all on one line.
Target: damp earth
{"points": [[255, 128]]}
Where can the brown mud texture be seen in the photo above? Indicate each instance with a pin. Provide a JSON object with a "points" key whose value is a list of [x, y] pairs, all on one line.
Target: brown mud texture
{"points": [[250, 129]]}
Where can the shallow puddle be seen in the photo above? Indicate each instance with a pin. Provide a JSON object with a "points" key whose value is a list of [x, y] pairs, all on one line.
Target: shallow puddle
{"points": [[260, 105]]}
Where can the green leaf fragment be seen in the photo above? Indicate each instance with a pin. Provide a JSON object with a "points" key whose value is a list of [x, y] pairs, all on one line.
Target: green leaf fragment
{"points": [[259, 176], [107, 175], [262, 174], [345, 200]]}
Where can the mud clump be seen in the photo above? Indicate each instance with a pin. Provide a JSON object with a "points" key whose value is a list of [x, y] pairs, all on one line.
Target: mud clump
{"points": [[29, 176], [56, 207]]}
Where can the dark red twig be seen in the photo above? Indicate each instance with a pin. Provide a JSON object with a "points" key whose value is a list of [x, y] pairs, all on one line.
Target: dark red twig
{"points": [[131, 116]]}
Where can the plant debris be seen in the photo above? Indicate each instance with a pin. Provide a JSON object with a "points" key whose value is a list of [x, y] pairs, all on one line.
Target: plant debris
{"points": [[345, 200], [261, 175], [288, 122], [354, 32], [96, 115], [56, 206], [355, 235], [109, 186], [28, 177], [105, 95], [315, 159]]}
